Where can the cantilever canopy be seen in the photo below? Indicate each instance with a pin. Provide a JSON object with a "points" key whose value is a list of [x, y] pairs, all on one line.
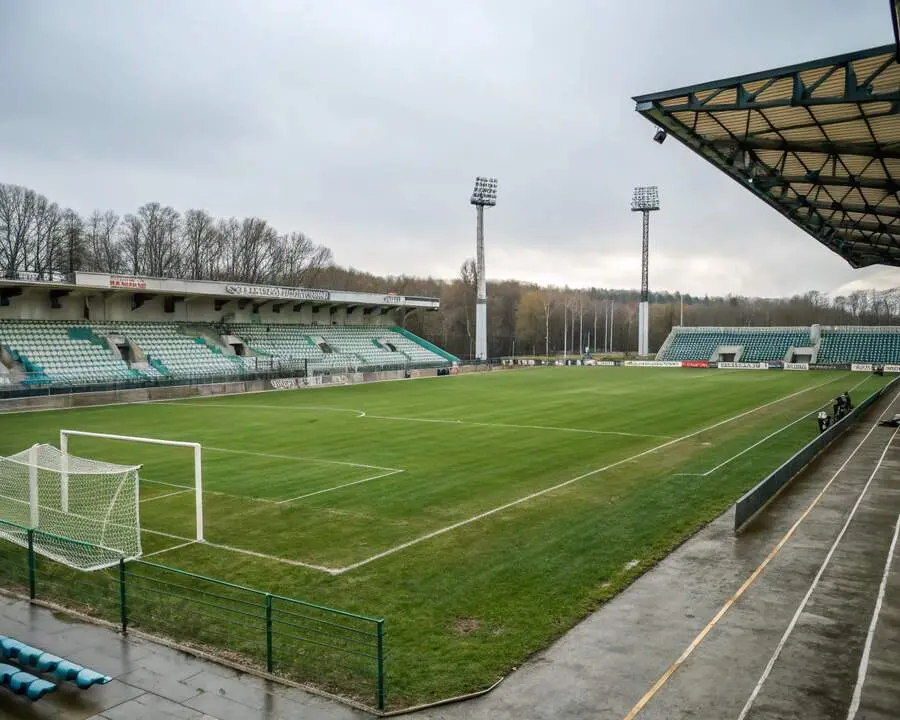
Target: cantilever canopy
{"points": [[819, 142]]}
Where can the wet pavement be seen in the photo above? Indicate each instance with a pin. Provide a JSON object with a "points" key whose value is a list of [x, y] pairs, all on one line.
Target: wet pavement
{"points": [[151, 681]]}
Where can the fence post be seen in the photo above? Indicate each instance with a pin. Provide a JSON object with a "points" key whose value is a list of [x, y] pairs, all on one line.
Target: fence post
{"points": [[123, 608], [32, 567], [269, 663], [380, 635]]}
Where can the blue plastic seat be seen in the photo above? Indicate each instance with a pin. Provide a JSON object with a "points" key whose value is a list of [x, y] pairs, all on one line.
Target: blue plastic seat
{"points": [[46, 662], [23, 683]]}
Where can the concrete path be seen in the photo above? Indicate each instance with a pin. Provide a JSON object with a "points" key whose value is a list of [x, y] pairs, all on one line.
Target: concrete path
{"points": [[152, 682], [623, 661]]}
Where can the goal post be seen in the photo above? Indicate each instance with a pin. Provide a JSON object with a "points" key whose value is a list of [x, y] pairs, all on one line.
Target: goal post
{"points": [[65, 434], [100, 525]]}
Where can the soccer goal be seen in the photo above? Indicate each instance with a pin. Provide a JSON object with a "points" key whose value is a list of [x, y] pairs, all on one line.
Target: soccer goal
{"points": [[64, 436], [83, 513]]}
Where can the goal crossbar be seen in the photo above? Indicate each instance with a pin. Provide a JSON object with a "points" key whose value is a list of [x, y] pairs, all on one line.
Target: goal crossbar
{"points": [[65, 434]]}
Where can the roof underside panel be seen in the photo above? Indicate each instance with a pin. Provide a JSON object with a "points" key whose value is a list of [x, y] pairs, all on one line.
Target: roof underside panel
{"points": [[819, 142]]}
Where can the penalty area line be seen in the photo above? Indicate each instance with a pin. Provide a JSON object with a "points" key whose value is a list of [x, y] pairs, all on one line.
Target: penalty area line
{"points": [[558, 486]]}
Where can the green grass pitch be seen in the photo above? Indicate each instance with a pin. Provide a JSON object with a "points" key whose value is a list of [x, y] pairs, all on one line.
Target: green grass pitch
{"points": [[482, 515]]}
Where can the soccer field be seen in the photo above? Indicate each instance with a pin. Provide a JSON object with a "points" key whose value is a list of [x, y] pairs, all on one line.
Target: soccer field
{"points": [[481, 515]]}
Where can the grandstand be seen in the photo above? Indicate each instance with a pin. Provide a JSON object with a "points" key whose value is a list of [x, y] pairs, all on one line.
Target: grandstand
{"points": [[817, 345], [106, 329]]}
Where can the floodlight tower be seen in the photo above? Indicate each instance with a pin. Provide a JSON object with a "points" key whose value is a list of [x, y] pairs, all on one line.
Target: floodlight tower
{"points": [[645, 200], [484, 195]]}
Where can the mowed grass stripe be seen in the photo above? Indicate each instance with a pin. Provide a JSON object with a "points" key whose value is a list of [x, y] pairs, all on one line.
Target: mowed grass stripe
{"points": [[466, 606]]}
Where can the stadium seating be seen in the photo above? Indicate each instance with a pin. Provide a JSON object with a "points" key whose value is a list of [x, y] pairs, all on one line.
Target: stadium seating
{"points": [[69, 353], [860, 345], [759, 344], [179, 355], [23, 683], [341, 347], [61, 352]]}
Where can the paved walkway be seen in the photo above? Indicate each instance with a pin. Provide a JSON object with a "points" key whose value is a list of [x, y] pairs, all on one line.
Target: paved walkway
{"points": [[152, 682]]}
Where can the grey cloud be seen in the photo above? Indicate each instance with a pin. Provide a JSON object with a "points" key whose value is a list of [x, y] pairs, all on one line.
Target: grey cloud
{"points": [[364, 123]]}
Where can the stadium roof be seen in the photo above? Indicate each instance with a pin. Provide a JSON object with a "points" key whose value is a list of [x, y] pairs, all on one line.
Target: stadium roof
{"points": [[818, 141]]}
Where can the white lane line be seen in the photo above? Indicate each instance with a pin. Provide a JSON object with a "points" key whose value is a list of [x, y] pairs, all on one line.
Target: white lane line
{"points": [[170, 549], [338, 487], [554, 428], [160, 497], [814, 585], [298, 458], [760, 442], [539, 493], [864, 662]]}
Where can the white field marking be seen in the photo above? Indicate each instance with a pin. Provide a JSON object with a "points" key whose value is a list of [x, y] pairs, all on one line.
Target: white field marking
{"points": [[321, 408], [242, 551], [160, 497], [701, 636], [493, 511], [169, 549], [167, 484], [338, 487], [364, 414], [864, 662], [514, 427], [276, 558], [760, 442], [299, 458], [802, 606]]}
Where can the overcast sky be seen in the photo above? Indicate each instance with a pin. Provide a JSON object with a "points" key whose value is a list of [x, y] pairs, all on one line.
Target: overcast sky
{"points": [[363, 123]]}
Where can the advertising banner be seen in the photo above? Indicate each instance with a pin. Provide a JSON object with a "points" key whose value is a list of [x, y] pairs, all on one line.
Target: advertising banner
{"points": [[796, 366], [743, 366], [653, 363], [695, 363]]}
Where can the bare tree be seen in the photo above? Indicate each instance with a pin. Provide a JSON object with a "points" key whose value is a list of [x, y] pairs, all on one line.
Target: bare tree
{"points": [[161, 248], [17, 205], [200, 243]]}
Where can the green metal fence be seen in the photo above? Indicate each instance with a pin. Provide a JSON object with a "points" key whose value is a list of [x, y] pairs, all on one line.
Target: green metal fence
{"points": [[336, 651]]}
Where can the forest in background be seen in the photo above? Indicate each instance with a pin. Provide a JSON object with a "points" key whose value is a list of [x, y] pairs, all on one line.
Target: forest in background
{"points": [[41, 239]]}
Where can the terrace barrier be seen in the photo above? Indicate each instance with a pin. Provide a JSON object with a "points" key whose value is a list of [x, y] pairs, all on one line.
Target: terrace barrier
{"points": [[338, 652], [756, 499]]}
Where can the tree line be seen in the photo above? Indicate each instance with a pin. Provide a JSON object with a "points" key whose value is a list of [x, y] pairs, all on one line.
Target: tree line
{"points": [[39, 239]]}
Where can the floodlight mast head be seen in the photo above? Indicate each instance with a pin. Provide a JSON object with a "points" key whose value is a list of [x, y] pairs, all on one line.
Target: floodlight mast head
{"points": [[645, 199], [485, 192]]}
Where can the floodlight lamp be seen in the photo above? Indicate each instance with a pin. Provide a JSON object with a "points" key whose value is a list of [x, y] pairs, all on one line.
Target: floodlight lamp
{"points": [[485, 192], [660, 136], [645, 198]]}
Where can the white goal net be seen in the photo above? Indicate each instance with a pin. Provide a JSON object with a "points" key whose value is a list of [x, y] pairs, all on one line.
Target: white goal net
{"points": [[84, 512]]}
